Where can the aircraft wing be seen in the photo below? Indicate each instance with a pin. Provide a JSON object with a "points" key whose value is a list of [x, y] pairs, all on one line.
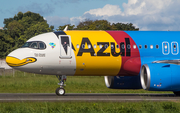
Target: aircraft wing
{"points": [[177, 62]]}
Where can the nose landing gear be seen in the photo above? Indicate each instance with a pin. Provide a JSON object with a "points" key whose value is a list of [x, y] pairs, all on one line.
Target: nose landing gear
{"points": [[60, 90]]}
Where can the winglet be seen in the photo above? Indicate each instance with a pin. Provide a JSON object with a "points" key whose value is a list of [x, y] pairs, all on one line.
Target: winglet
{"points": [[66, 28]]}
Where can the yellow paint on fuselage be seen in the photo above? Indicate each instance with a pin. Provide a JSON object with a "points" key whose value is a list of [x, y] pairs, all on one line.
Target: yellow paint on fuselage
{"points": [[95, 65], [13, 62]]}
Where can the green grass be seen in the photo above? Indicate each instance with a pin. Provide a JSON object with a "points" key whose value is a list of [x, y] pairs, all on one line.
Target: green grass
{"points": [[91, 107], [31, 83]]}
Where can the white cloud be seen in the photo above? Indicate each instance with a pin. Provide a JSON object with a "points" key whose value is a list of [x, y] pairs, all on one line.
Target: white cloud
{"points": [[107, 10], [76, 20], [146, 14], [134, 7]]}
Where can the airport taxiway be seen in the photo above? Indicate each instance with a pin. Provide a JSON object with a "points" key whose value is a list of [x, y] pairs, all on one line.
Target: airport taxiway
{"points": [[11, 97]]}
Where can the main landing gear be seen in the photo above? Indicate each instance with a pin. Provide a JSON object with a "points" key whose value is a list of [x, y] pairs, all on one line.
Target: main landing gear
{"points": [[60, 90]]}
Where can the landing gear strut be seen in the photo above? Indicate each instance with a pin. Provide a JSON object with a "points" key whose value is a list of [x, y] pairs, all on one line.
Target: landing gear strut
{"points": [[60, 90]]}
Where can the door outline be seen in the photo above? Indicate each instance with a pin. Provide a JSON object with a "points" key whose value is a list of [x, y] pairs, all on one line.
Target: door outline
{"points": [[172, 48], [163, 48], [68, 56]]}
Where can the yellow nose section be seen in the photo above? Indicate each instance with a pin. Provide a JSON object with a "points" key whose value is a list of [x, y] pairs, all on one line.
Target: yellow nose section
{"points": [[12, 61]]}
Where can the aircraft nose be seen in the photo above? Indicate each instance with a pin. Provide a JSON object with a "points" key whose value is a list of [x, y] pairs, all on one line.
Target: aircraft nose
{"points": [[10, 61], [14, 61]]}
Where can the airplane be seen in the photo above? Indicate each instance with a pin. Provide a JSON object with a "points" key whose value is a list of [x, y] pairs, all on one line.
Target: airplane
{"points": [[127, 59]]}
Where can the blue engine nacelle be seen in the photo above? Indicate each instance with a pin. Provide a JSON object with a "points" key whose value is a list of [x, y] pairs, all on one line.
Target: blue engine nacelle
{"points": [[123, 82], [160, 77]]}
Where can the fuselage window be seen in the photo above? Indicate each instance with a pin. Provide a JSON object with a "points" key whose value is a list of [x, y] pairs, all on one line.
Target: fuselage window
{"points": [[151, 46], [77, 45], [157, 46], [140, 46], [89, 46], [174, 46], [112, 46], [117, 46], [134, 46], [94, 45], [106, 46], [145, 46], [100, 46], [129, 46], [122, 46], [83, 46]]}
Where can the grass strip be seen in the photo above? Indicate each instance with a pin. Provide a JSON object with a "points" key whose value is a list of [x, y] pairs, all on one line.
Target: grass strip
{"points": [[90, 107], [32, 83]]}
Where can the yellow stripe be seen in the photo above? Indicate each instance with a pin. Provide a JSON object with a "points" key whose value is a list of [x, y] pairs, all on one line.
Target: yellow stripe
{"points": [[12, 61]]}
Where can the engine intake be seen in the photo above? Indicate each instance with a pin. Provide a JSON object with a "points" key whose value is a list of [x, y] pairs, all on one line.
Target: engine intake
{"points": [[109, 81], [160, 77], [145, 77]]}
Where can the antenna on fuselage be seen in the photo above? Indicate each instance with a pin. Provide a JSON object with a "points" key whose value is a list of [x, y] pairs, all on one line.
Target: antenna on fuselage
{"points": [[66, 28]]}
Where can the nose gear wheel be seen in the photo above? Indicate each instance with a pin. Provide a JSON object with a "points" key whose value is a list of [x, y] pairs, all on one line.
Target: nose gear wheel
{"points": [[60, 91]]}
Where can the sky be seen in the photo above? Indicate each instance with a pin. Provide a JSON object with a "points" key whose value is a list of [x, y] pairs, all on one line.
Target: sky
{"points": [[148, 15]]}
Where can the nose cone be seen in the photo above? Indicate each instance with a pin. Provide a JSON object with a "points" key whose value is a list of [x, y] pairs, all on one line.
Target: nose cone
{"points": [[17, 58]]}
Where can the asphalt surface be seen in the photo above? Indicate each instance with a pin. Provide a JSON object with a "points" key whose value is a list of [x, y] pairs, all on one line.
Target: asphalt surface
{"points": [[11, 97]]}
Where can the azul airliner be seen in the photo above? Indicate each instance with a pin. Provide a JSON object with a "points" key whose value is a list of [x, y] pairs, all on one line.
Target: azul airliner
{"points": [[128, 59]]}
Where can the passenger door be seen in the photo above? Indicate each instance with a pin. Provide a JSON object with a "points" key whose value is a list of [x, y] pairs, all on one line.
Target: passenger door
{"points": [[65, 46]]}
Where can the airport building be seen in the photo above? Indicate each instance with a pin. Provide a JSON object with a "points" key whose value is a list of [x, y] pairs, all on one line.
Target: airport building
{"points": [[4, 67]]}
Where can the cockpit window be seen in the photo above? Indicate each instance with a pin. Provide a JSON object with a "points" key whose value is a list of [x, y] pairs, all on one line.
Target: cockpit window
{"points": [[42, 45], [34, 45], [27, 44]]}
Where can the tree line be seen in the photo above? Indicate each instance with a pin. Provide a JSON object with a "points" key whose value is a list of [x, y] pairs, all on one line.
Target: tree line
{"points": [[100, 25], [23, 26]]}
